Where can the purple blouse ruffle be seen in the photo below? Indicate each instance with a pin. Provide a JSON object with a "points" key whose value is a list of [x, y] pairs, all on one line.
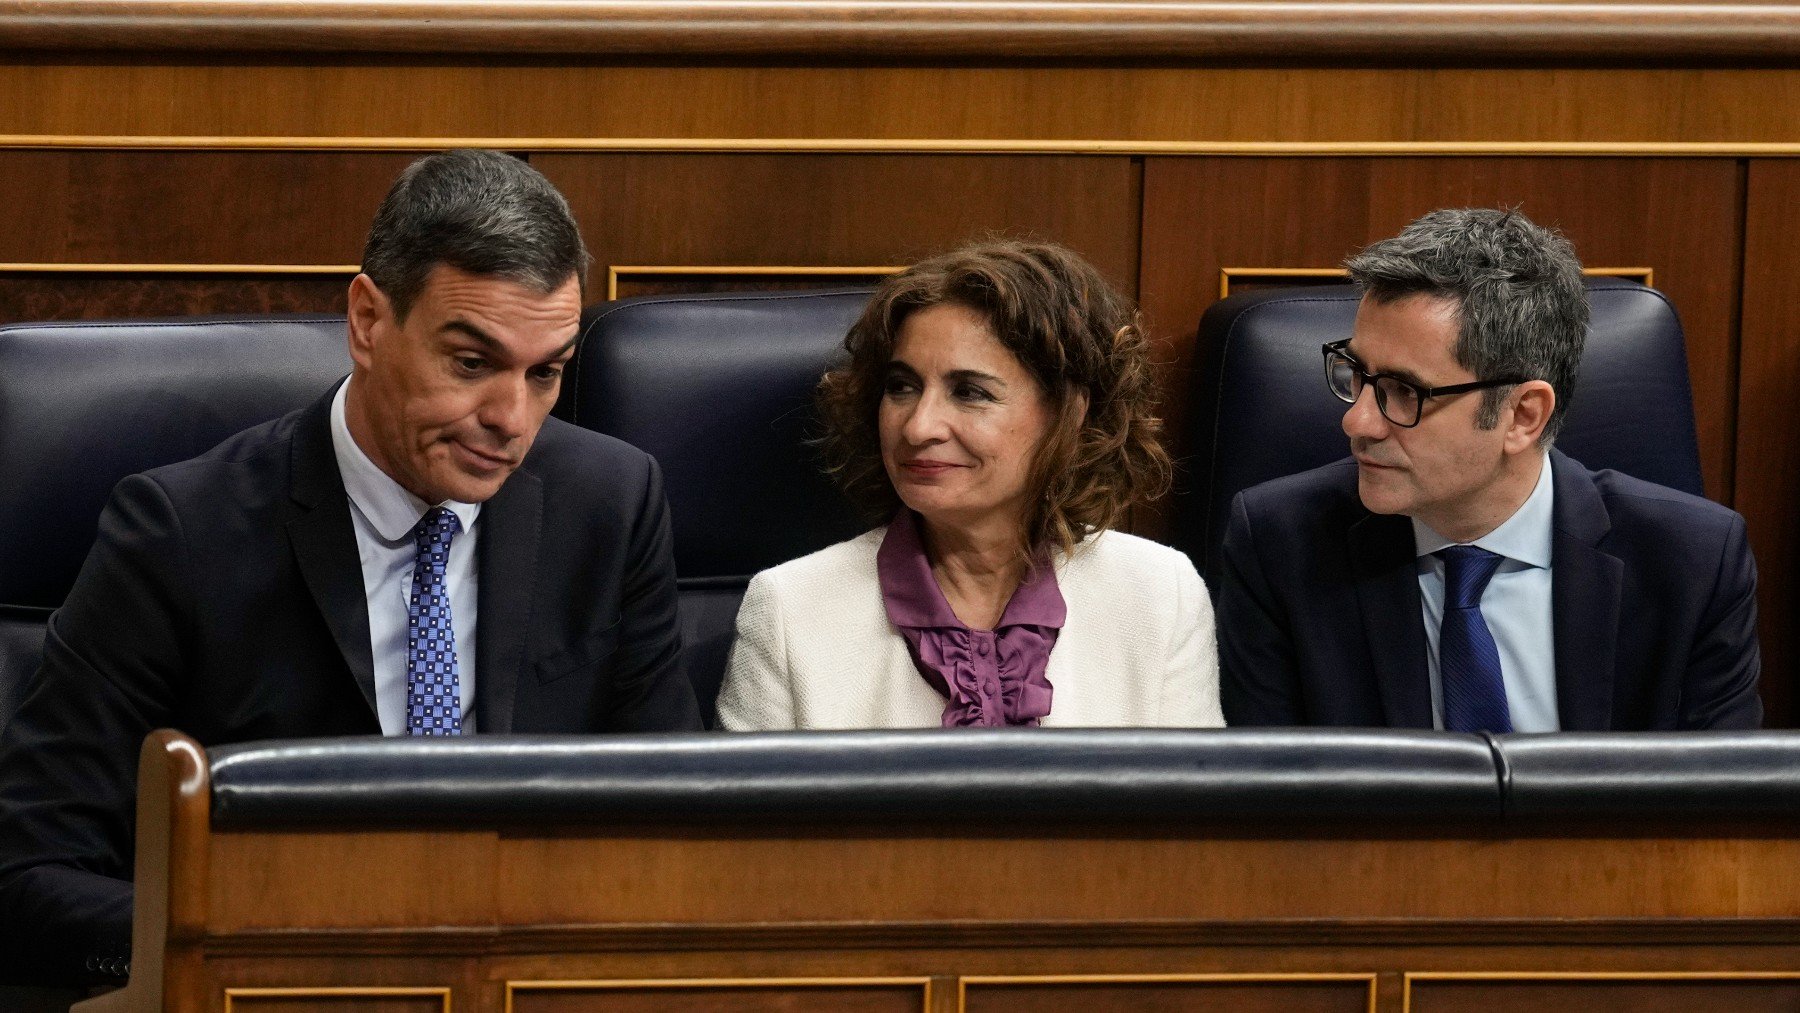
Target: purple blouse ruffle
{"points": [[992, 677]]}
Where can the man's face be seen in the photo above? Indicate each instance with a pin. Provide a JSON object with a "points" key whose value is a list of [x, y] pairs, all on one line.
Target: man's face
{"points": [[450, 400], [1443, 470]]}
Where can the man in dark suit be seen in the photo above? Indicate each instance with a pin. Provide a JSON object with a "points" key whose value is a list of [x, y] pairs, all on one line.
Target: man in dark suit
{"points": [[420, 552], [1456, 572]]}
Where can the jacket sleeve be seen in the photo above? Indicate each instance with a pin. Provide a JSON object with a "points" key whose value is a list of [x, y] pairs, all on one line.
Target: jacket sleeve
{"points": [[758, 692], [1259, 677], [1190, 694], [651, 691], [1726, 661], [68, 758]]}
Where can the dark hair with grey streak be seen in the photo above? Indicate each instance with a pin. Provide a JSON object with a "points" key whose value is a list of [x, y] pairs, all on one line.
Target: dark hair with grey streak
{"points": [[1520, 303], [483, 212]]}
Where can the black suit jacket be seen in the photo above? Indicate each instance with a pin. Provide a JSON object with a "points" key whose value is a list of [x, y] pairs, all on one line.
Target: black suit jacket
{"points": [[1653, 601], [224, 597]]}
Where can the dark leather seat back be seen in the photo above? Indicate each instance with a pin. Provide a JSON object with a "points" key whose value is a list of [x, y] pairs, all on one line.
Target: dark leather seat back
{"points": [[1260, 409], [719, 388], [84, 404]]}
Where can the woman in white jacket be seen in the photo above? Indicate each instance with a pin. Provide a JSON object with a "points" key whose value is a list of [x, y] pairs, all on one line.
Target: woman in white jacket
{"points": [[997, 410]]}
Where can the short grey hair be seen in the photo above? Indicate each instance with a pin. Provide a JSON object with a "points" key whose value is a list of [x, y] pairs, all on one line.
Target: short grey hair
{"points": [[1521, 306], [484, 212]]}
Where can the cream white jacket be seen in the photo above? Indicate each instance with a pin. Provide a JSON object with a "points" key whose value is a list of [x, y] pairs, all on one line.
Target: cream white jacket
{"points": [[814, 647]]}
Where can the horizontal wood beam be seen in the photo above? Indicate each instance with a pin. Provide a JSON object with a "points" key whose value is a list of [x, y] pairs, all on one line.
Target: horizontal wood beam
{"points": [[1396, 32]]}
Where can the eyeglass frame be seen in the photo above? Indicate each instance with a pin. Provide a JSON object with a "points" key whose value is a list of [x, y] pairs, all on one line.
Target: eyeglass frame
{"points": [[1341, 348]]}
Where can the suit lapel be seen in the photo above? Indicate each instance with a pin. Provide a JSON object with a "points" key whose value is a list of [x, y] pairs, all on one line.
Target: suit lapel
{"points": [[325, 543], [1585, 595], [1387, 589], [511, 527]]}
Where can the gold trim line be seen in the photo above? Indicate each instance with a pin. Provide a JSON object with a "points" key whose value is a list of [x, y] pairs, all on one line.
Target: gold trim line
{"points": [[900, 145]]}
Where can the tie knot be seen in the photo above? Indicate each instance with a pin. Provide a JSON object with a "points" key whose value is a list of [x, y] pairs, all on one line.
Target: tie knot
{"points": [[1467, 570], [436, 528]]}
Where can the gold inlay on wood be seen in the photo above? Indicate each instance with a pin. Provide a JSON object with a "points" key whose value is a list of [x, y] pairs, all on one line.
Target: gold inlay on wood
{"points": [[962, 985], [615, 274], [63, 268], [1528, 977], [915, 145], [515, 987], [235, 995], [1229, 276]]}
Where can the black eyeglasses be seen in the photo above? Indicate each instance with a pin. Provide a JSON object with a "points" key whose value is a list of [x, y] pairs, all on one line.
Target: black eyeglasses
{"points": [[1400, 401]]}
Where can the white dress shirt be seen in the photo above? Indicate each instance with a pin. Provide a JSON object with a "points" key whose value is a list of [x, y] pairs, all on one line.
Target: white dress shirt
{"points": [[384, 515], [1516, 604]]}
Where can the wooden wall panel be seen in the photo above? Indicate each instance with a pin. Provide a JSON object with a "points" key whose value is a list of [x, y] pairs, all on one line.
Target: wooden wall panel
{"points": [[844, 210], [1678, 216], [90, 295], [1768, 434], [1650, 994], [702, 997], [1172, 997], [343, 1002], [920, 105], [190, 207]]}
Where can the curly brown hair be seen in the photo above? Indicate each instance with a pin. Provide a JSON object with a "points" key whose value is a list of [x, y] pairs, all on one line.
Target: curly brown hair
{"points": [[1071, 331]]}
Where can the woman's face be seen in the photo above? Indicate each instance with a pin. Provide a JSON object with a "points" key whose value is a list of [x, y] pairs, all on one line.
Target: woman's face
{"points": [[960, 420]]}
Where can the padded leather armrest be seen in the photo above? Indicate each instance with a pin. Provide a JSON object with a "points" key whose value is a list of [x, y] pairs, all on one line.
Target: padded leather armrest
{"points": [[1132, 776], [1651, 775]]}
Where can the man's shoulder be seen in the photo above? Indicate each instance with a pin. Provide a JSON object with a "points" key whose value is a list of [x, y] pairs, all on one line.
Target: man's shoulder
{"points": [[565, 453], [1635, 506], [1326, 494], [248, 457]]}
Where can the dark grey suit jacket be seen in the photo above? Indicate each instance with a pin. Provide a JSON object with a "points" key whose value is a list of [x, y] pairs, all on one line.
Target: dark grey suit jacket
{"points": [[224, 597], [1653, 600]]}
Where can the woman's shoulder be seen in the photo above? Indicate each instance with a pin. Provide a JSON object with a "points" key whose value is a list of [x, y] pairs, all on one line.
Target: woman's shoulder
{"points": [[1115, 553], [833, 565]]}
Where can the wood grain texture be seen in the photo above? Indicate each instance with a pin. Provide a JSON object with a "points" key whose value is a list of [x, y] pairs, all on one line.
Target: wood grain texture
{"points": [[1170, 997], [206, 207], [844, 210], [924, 878], [1678, 216], [582, 101], [725, 998], [337, 1003], [1667, 995], [1768, 431], [98, 295], [1432, 32]]}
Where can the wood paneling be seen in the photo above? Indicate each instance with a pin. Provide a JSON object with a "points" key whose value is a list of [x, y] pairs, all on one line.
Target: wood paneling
{"points": [[1768, 432], [835, 29], [1171, 997], [1678, 216], [337, 1002], [1647, 995], [845, 210], [190, 207], [1063, 106], [725, 998], [92, 295]]}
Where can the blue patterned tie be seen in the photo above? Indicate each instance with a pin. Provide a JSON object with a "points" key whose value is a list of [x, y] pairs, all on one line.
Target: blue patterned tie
{"points": [[433, 699], [1468, 661]]}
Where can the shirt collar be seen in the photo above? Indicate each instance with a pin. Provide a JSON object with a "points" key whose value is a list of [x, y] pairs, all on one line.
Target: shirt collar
{"points": [[913, 598], [384, 503], [1526, 536]]}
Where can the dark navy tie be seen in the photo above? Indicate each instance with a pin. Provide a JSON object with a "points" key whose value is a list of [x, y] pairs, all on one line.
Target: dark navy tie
{"points": [[1468, 662], [433, 697]]}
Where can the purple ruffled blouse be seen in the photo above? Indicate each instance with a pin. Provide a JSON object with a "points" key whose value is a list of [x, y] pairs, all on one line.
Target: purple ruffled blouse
{"points": [[992, 677]]}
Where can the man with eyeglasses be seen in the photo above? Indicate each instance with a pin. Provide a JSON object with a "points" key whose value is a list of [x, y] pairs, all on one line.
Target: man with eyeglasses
{"points": [[1457, 571]]}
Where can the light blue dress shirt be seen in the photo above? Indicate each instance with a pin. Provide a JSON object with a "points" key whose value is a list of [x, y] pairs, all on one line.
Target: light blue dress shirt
{"points": [[1516, 605], [384, 515]]}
